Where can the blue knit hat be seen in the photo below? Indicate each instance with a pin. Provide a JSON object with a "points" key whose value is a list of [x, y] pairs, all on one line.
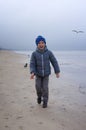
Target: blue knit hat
{"points": [[40, 38]]}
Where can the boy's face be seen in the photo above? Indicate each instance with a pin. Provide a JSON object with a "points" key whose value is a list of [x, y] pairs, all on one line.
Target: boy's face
{"points": [[41, 45]]}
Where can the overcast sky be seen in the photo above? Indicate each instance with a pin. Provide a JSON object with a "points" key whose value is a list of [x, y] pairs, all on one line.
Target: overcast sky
{"points": [[21, 21]]}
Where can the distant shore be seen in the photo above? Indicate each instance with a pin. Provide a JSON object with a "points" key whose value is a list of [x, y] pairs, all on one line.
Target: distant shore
{"points": [[19, 109]]}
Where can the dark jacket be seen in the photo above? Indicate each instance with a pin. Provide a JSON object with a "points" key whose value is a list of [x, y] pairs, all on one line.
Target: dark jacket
{"points": [[40, 62]]}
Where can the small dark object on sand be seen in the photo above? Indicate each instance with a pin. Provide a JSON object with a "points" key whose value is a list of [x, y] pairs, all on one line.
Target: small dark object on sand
{"points": [[25, 64]]}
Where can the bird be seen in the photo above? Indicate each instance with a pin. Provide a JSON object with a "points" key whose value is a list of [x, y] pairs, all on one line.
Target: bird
{"points": [[78, 31]]}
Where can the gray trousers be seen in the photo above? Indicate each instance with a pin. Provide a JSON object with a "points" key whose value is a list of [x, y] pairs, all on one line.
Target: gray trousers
{"points": [[41, 84]]}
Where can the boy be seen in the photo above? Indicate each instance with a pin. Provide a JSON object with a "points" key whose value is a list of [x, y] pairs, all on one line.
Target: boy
{"points": [[40, 67]]}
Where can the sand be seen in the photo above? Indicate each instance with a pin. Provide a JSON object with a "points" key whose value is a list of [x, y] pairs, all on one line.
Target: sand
{"points": [[18, 107]]}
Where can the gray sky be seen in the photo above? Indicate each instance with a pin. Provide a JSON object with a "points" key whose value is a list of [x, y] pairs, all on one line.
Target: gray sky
{"points": [[21, 21]]}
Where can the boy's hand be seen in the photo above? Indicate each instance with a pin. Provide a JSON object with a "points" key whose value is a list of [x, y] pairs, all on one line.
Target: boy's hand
{"points": [[57, 75], [32, 76]]}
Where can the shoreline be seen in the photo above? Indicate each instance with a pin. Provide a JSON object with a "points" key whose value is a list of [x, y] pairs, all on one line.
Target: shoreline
{"points": [[18, 108]]}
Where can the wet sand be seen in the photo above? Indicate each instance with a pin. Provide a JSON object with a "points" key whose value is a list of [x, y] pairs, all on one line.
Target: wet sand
{"points": [[18, 107]]}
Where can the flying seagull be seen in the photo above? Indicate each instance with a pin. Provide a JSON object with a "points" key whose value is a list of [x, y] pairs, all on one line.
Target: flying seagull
{"points": [[78, 31]]}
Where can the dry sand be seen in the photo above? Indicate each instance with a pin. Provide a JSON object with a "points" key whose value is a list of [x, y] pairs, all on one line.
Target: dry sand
{"points": [[19, 109]]}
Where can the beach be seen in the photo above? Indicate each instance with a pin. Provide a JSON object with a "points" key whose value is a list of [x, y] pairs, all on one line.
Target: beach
{"points": [[18, 106]]}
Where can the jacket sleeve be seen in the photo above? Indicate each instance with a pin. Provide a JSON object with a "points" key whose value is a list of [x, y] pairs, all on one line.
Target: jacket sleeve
{"points": [[54, 62], [33, 64]]}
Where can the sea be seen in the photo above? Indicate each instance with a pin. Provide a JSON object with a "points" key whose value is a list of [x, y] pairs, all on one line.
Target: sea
{"points": [[72, 64]]}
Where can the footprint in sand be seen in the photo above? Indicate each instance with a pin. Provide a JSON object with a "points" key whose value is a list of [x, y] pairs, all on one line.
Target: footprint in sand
{"points": [[53, 119], [25, 97], [40, 123], [31, 106], [30, 110], [6, 126], [19, 117], [12, 101], [82, 89], [6, 118], [21, 127]]}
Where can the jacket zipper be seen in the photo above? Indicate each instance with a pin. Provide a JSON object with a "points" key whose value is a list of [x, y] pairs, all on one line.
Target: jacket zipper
{"points": [[42, 65]]}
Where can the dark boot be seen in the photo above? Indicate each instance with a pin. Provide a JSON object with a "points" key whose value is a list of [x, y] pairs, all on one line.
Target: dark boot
{"points": [[39, 100], [44, 104]]}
